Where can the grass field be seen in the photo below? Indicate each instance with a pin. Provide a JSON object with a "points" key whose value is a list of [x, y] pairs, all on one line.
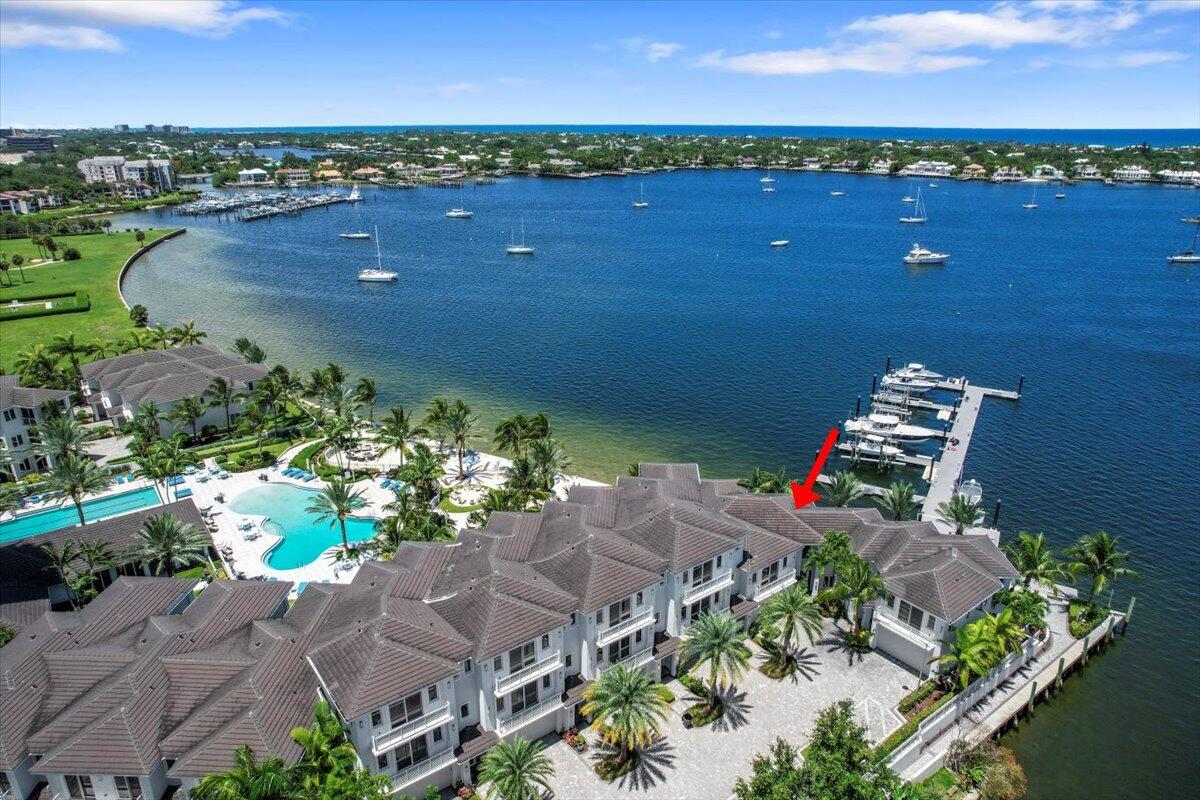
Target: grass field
{"points": [[95, 273]]}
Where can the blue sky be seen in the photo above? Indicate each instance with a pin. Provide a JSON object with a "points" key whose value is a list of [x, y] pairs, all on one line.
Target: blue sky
{"points": [[1046, 63]]}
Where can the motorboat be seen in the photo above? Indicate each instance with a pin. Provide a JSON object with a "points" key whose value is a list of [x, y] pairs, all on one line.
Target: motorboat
{"points": [[837, 194], [767, 178], [377, 274], [919, 255], [915, 370], [355, 235], [874, 447], [918, 216], [1190, 220], [889, 426], [1060, 196], [932, 185], [780, 243], [898, 383], [459, 213], [769, 189], [521, 249]]}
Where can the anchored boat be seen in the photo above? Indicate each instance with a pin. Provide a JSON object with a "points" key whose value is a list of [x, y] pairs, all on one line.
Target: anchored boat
{"points": [[919, 255], [378, 274]]}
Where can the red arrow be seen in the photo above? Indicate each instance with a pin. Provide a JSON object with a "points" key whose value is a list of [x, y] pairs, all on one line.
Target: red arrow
{"points": [[803, 495]]}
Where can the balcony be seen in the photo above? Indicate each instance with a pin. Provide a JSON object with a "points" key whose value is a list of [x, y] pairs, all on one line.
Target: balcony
{"points": [[382, 742], [635, 660], [527, 715], [537, 669], [714, 584], [767, 589], [614, 632], [905, 632], [410, 775]]}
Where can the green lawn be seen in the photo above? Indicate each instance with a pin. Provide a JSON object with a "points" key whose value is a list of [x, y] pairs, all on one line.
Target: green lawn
{"points": [[95, 273]]}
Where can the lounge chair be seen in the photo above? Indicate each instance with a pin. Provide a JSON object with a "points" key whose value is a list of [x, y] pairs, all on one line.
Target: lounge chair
{"points": [[184, 492]]}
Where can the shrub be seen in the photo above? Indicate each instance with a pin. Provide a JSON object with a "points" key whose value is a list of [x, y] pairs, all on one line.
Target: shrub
{"points": [[1084, 617], [702, 713], [7, 634], [304, 457], [244, 462], [71, 254], [901, 734], [913, 698], [609, 769], [575, 740], [858, 641], [693, 684]]}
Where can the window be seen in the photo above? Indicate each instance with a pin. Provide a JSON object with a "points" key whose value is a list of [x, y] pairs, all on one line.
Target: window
{"points": [[498, 663], [376, 719], [599, 654], [699, 607], [637, 637], [545, 681], [619, 612], [891, 600], [437, 734], [18, 440], [770, 573], [9, 415], [521, 657], [718, 561], [702, 573], [80, 786], [381, 762], [128, 786], [568, 661], [929, 620], [465, 711], [546, 641], [599, 617], [524, 697], [500, 703], [639, 598], [407, 709], [910, 615], [433, 693], [411, 753], [467, 665], [618, 650]]}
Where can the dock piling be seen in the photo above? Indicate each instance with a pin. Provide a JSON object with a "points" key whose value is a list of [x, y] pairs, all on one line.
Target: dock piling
{"points": [[888, 366], [1128, 615], [858, 406], [874, 379], [1020, 386], [1062, 663], [996, 514]]}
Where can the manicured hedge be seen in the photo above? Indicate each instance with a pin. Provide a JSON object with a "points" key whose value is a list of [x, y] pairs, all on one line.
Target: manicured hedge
{"points": [[301, 460], [901, 734], [82, 303], [913, 698]]}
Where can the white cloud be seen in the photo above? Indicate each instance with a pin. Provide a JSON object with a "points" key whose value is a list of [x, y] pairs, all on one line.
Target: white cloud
{"points": [[1144, 58], [773, 35], [454, 89], [69, 37], [652, 51], [881, 58], [198, 17]]}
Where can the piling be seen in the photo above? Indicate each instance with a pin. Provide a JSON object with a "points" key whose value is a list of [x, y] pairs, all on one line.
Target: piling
{"points": [[874, 379], [1020, 386], [1128, 615], [1062, 662], [858, 406], [1032, 697], [888, 367], [1085, 647], [996, 514]]}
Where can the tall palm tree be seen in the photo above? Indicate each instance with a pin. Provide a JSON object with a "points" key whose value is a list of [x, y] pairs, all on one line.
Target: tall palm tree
{"points": [[364, 393], [66, 346], [397, 428], [790, 609], [510, 434], [96, 554], [435, 418], [537, 426], [969, 655], [247, 780], [155, 466], [834, 549], [898, 500], [249, 351], [256, 422], [1004, 632], [460, 428], [423, 472], [517, 770], [324, 749], [77, 476], [148, 418], [843, 489], [717, 641], [139, 315], [550, 462], [764, 481], [162, 336], [164, 541], [187, 334], [60, 437], [336, 503], [60, 559], [960, 512], [187, 412], [36, 365], [1097, 556], [1034, 559], [175, 458], [221, 394], [627, 707], [857, 584]]}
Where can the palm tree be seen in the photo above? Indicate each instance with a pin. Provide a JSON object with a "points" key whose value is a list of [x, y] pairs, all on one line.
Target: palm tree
{"points": [[155, 465], [162, 336], [835, 548], [60, 437], [140, 236], [187, 334], [510, 434], [247, 780], [790, 609], [77, 476], [96, 554], [36, 366], [1033, 559], [255, 422], [336, 503], [504, 499], [187, 412], [139, 315], [148, 418], [1004, 632], [537, 426], [960, 512], [1097, 555], [898, 500], [763, 481], [422, 472], [67, 347], [459, 426], [249, 351], [164, 541], [517, 770], [718, 641], [435, 417], [969, 655], [18, 261], [324, 749], [221, 394], [397, 428], [858, 584], [843, 489], [550, 462], [60, 559], [627, 708], [364, 393]]}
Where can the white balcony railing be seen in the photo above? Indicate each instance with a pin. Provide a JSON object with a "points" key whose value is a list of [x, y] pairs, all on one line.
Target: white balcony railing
{"points": [[714, 584], [639, 659], [624, 628], [410, 775], [382, 742], [905, 631], [765, 590], [506, 683], [527, 715]]}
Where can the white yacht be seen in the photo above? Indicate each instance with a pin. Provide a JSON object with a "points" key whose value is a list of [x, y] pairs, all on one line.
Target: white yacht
{"points": [[932, 185], [889, 426], [918, 216], [780, 243], [354, 196], [898, 383], [915, 370], [837, 193], [1189, 256], [521, 249], [377, 274], [919, 255], [1033, 202], [460, 211], [355, 235], [1061, 195], [767, 178], [908, 198], [641, 201], [874, 447]]}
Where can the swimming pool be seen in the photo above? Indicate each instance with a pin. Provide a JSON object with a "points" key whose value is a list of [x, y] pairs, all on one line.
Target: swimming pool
{"points": [[305, 538], [54, 518]]}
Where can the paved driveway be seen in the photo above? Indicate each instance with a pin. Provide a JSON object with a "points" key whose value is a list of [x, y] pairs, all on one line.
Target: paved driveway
{"points": [[702, 763]]}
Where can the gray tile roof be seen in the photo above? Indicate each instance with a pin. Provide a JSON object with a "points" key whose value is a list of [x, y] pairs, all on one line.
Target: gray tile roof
{"points": [[13, 394], [164, 376]]}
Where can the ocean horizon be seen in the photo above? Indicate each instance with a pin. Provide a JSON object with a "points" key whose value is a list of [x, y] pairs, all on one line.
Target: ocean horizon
{"points": [[1111, 137]]}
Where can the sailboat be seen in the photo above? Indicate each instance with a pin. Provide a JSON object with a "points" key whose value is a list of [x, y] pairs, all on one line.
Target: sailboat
{"points": [[767, 179], [515, 249], [1189, 256], [1032, 203], [908, 198], [459, 212], [355, 235], [378, 274], [918, 215], [641, 201], [1061, 195]]}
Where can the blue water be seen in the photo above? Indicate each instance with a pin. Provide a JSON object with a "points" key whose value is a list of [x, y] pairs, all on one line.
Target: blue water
{"points": [[65, 515], [1112, 137], [275, 153], [677, 333], [304, 537]]}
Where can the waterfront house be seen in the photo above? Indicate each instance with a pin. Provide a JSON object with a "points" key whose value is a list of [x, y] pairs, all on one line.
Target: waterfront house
{"points": [[115, 387], [928, 169], [28, 201], [880, 166], [291, 175], [367, 174], [1047, 172], [811, 164], [1088, 172], [973, 172], [327, 175], [135, 191], [846, 165], [22, 409], [1184, 176], [1131, 173], [1008, 175], [255, 176]]}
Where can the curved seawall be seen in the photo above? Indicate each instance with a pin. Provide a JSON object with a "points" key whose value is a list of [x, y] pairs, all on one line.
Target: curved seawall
{"points": [[129, 262]]}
